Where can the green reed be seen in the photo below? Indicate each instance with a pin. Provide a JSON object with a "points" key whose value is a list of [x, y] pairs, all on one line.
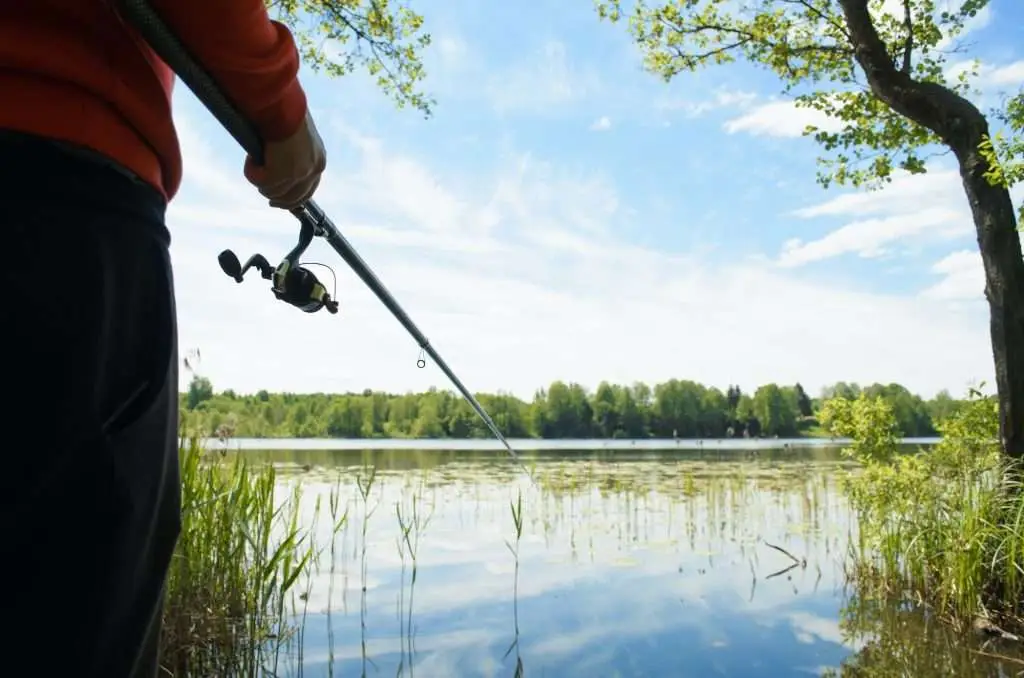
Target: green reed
{"points": [[364, 483], [944, 526], [245, 559], [513, 546], [412, 523], [339, 521], [237, 559]]}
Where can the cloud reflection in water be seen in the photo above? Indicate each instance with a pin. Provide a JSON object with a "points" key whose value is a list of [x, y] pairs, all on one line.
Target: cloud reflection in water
{"points": [[640, 568]]}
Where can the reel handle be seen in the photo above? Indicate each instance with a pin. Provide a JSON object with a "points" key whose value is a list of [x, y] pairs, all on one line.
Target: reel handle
{"points": [[228, 261], [292, 283]]}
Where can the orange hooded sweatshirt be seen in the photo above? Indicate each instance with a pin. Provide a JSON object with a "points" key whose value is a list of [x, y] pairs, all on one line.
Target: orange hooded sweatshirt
{"points": [[74, 71]]}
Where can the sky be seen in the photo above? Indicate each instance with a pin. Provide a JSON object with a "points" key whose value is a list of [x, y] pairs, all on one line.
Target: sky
{"points": [[566, 215]]}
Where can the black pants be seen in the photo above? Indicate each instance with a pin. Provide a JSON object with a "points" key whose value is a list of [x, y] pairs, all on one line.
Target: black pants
{"points": [[89, 487]]}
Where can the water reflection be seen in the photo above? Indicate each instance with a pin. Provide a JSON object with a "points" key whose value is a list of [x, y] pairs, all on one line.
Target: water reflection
{"points": [[896, 639], [455, 462], [649, 566]]}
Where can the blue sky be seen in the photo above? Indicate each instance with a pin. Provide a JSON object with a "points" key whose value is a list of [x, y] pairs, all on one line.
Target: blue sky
{"points": [[564, 215]]}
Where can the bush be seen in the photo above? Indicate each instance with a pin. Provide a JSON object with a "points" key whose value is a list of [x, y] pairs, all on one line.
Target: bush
{"points": [[944, 525]]}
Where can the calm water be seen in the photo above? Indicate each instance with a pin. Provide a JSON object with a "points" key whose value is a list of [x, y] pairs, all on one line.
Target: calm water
{"points": [[531, 444], [629, 564]]}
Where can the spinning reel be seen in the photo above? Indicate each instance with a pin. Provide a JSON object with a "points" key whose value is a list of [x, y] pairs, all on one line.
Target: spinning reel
{"points": [[291, 282]]}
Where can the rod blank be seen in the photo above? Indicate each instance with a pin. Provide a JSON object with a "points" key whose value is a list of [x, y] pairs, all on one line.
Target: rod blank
{"points": [[163, 41]]}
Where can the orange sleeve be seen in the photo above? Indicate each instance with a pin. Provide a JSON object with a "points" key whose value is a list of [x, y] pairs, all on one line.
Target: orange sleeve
{"points": [[253, 58]]}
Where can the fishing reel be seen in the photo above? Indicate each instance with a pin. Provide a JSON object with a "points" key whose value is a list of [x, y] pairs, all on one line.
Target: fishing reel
{"points": [[291, 282]]}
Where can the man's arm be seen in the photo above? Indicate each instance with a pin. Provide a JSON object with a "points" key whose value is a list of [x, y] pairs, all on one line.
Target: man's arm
{"points": [[252, 58]]}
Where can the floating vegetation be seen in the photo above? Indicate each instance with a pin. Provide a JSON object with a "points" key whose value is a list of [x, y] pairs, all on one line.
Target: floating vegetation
{"points": [[604, 543]]}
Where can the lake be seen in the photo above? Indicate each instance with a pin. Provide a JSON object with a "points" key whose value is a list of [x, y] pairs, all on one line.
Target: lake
{"points": [[629, 563], [533, 444]]}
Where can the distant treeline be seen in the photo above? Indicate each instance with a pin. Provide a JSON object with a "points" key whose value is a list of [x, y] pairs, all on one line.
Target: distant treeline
{"points": [[682, 409]]}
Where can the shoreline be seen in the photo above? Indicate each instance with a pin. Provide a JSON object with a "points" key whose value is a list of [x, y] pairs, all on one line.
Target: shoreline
{"points": [[534, 444]]}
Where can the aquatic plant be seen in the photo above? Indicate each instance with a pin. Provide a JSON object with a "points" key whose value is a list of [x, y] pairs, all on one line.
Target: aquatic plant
{"points": [[411, 523], [944, 525], [239, 556], [574, 499], [364, 483], [517, 521], [339, 521]]}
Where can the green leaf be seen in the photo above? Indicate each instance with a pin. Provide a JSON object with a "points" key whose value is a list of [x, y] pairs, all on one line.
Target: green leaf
{"points": [[383, 37], [809, 46]]}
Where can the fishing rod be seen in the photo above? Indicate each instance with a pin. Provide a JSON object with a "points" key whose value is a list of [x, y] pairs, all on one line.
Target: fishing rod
{"points": [[291, 282]]}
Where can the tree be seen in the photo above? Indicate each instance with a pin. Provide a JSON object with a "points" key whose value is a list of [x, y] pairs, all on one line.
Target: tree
{"points": [[942, 406], [803, 402], [606, 418], [339, 36], [199, 390], [774, 411], [683, 408], [732, 395], [881, 75]]}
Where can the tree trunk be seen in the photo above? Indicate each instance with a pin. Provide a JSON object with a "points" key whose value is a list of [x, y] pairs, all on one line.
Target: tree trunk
{"points": [[999, 242], [961, 126]]}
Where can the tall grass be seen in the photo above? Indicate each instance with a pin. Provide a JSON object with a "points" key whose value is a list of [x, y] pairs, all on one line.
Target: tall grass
{"points": [[240, 553], [364, 483], [945, 526], [517, 521], [411, 523]]}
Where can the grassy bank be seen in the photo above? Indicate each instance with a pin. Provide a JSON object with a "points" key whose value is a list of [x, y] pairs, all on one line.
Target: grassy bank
{"points": [[231, 588], [943, 527]]}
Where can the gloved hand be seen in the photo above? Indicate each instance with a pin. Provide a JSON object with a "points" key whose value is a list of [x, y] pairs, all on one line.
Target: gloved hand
{"points": [[292, 167]]}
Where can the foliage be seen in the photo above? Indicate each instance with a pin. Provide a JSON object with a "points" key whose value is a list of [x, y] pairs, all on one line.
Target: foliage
{"points": [[1004, 151], [680, 408], [382, 36], [944, 524], [869, 421], [811, 47], [199, 391], [239, 555]]}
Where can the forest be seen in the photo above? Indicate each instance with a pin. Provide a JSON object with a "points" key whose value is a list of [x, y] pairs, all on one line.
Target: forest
{"points": [[675, 408]]}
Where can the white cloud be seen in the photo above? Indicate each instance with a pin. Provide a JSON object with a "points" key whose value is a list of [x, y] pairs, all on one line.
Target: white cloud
{"points": [[931, 205], [988, 78], [722, 97], [518, 279], [963, 277], [981, 19], [780, 119], [868, 237], [547, 79], [452, 51], [906, 193], [926, 207], [601, 124], [1009, 75]]}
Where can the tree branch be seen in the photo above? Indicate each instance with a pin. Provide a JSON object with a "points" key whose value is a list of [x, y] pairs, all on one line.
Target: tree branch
{"points": [[929, 104], [908, 25], [818, 13], [741, 39]]}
